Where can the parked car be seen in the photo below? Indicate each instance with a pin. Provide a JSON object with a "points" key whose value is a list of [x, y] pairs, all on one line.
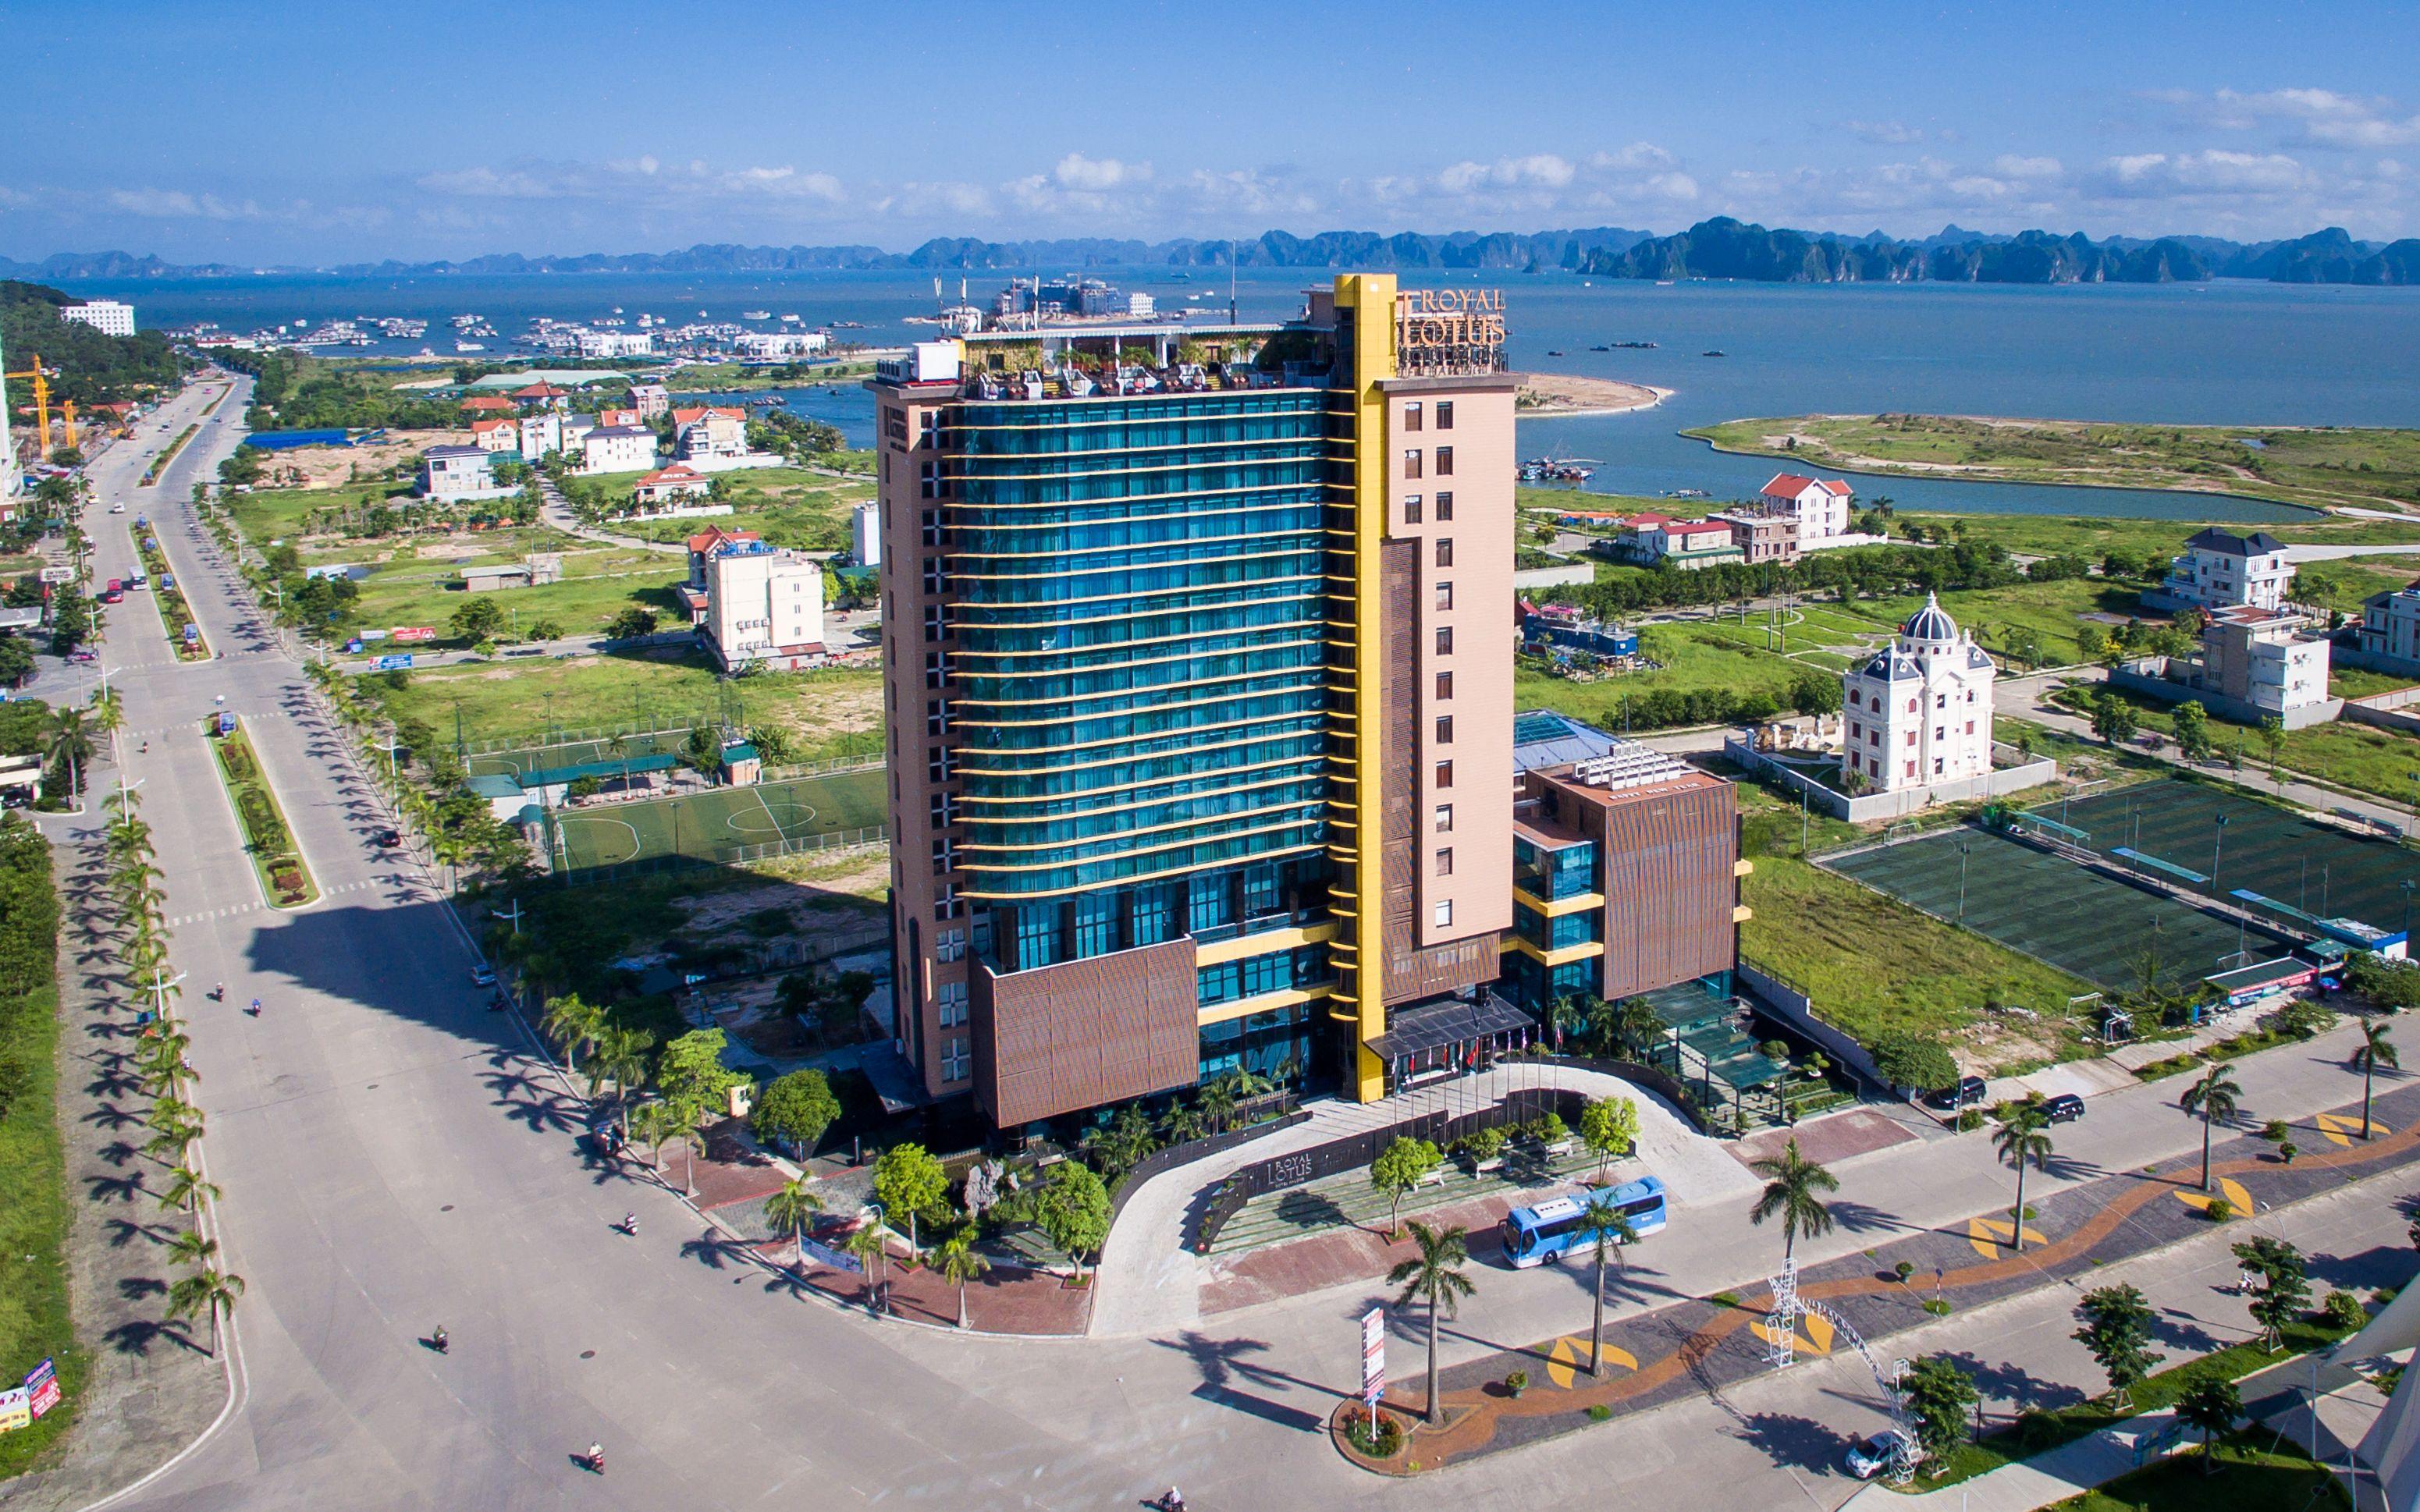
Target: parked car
{"points": [[117, 509], [2065, 1108], [1967, 1093], [1869, 1457], [388, 839], [482, 975]]}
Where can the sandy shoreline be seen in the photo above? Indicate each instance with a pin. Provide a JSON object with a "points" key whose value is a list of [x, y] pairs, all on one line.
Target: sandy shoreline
{"points": [[1555, 396]]}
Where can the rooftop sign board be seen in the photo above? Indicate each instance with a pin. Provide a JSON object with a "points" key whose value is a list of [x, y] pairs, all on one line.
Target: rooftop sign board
{"points": [[1449, 330]]}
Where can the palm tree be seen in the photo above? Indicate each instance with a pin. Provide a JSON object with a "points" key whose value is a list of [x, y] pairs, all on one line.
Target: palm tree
{"points": [[574, 1022], [1792, 1185], [1604, 1222], [2376, 1050], [68, 739], [620, 1056], [655, 1124], [961, 1262], [108, 714], [2020, 1140], [865, 1245], [206, 1291], [2212, 1098], [169, 1147], [1435, 1277], [194, 1248], [169, 1111], [187, 1191], [791, 1207], [620, 748]]}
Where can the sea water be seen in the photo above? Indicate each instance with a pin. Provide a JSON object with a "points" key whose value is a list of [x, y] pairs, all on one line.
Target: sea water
{"points": [[2225, 352]]}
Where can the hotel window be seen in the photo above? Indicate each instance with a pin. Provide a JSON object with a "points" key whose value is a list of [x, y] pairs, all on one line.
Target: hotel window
{"points": [[933, 624], [1444, 414], [955, 1062], [1444, 507], [1445, 640], [1444, 728], [942, 811], [1444, 686], [1411, 509], [1443, 914], [894, 425], [1445, 551], [937, 716], [1411, 415], [945, 854], [932, 575], [1445, 461], [1445, 862], [928, 481], [936, 669], [1445, 818], [1445, 774], [1412, 463], [945, 901], [948, 945], [951, 998], [929, 521], [928, 428], [1444, 596], [1911, 768], [937, 764]]}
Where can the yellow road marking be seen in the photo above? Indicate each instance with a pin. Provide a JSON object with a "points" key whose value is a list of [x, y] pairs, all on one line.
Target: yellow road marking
{"points": [[1989, 1234], [1568, 1359], [2238, 1200], [1815, 1341], [2340, 1129]]}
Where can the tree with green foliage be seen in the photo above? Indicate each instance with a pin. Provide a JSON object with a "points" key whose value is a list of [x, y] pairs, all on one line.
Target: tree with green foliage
{"points": [[907, 1179], [796, 1109], [792, 1207], [1793, 1188], [573, 1022], [1609, 1127], [1938, 1394], [477, 620], [632, 623], [692, 1076], [2022, 1140], [2285, 1285], [2376, 1050], [1913, 1061], [1607, 1228], [2193, 730], [2118, 1332], [1072, 1209], [2210, 1405], [1434, 1276], [2112, 719], [1400, 1167], [2273, 736], [620, 1056], [2215, 1096], [865, 1246], [959, 1263], [2393, 985], [206, 1292]]}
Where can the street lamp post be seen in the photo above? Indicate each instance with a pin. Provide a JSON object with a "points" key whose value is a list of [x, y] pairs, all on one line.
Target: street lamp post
{"points": [[2218, 837], [2406, 885], [1962, 881]]}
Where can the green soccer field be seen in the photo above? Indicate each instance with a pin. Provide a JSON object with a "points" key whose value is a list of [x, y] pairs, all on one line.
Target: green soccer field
{"points": [[716, 825], [576, 753]]}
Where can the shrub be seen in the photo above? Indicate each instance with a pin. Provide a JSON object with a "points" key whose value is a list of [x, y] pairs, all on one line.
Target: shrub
{"points": [[1480, 1143], [1599, 1413], [2220, 1209], [1383, 1439], [1518, 1382], [2342, 1309], [1547, 1128]]}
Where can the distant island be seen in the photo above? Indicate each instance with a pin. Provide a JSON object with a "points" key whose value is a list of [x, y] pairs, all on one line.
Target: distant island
{"points": [[1718, 247], [2316, 466]]}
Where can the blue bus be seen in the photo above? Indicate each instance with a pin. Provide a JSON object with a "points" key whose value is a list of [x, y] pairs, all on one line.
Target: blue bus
{"points": [[1533, 1236]]}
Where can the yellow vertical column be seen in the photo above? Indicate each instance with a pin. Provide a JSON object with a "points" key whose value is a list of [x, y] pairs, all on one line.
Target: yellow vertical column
{"points": [[1371, 297]]}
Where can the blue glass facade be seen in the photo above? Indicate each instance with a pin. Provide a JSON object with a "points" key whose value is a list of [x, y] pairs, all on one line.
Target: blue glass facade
{"points": [[1139, 664], [1554, 873]]}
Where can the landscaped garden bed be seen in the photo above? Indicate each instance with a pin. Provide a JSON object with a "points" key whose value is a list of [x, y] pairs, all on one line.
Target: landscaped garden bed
{"points": [[174, 612], [285, 880]]}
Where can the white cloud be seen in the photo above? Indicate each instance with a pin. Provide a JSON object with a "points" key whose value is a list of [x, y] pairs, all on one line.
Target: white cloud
{"points": [[1079, 172], [2311, 117], [2196, 175], [2010, 165], [1886, 134], [179, 205]]}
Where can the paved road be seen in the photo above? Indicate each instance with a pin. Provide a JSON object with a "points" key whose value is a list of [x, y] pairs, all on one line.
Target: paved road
{"points": [[396, 1157]]}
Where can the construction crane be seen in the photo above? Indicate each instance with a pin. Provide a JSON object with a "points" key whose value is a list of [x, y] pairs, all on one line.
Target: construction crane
{"points": [[41, 376]]}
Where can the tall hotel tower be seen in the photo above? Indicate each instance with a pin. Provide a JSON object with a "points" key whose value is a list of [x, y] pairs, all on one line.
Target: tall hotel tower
{"points": [[1197, 678]]}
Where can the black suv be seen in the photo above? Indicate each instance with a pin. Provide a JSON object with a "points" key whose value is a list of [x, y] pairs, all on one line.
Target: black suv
{"points": [[1966, 1095], [2065, 1108]]}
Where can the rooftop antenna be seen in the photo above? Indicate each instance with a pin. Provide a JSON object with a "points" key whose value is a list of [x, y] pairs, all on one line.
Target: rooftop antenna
{"points": [[1230, 281], [937, 293]]}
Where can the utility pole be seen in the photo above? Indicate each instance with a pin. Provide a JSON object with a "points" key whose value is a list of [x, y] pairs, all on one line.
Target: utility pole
{"points": [[2217, 840], [514, 915], [159, 989]]}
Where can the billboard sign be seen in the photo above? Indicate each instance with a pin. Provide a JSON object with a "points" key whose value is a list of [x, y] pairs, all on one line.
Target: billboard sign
{"points": [[1374, 1356], [226, 721], [16, 1409], [370, 635], [394, 664], [57, 575], [824, 1255], [42, 1388], [416, 632]]}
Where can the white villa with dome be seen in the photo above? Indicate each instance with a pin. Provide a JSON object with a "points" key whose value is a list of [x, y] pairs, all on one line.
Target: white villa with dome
{"points": [[1918, 714]]}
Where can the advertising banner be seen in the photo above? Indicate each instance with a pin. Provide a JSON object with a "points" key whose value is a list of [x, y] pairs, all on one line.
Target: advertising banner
{"points": [[16, 1409], [42, 1388], [1373, 1355], [416, 632]]}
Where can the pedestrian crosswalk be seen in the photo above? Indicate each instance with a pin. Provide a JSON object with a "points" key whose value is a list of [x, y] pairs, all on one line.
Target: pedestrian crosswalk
{"points": [[409, 884]]}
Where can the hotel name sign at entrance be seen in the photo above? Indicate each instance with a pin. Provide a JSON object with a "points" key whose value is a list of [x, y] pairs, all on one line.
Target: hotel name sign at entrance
{"points": [[1456, 328]]}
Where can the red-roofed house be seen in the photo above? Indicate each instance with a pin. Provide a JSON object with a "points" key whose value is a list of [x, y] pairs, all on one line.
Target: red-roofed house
{"points": [[1822, 504], [542, 392], [488, 404], [497, 433], [671, 485], [705, 543], [1690, 543], [619, 417]]}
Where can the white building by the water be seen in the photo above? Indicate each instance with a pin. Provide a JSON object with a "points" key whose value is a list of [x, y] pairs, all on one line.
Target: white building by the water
{"points": [[1919, 711]]}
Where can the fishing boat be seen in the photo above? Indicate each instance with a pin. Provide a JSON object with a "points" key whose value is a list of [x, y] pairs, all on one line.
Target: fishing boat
{"points": [[1716, 351], [1554, 353], [1636, 346], [755, 315]]}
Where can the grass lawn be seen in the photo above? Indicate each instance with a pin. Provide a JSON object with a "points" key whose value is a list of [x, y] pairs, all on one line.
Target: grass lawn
{"points": [[833, 713], [804, 511], [714, 824], [2039, 1431], [598, 584], [2249, 1478], [2355, 683], [34, 1320], [1694, 656], [2313, 466], [269, 514], [2357, 756], [1826, 934], [2051, 610]]}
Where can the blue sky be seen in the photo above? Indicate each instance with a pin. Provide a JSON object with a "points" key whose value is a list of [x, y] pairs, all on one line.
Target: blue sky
{"points": [[344, 131]]}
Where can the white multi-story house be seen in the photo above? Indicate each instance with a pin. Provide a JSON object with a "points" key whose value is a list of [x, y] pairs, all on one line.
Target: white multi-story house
{"points": [[541, 433], [2390, 627], [2264, 661], [769, 346], [1919, 711], [111, 317], [1822, 504], [617, 449], [702, 435], [651, 400], [2218, 570], [615, 342], [459, 473], [764, 605]]}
